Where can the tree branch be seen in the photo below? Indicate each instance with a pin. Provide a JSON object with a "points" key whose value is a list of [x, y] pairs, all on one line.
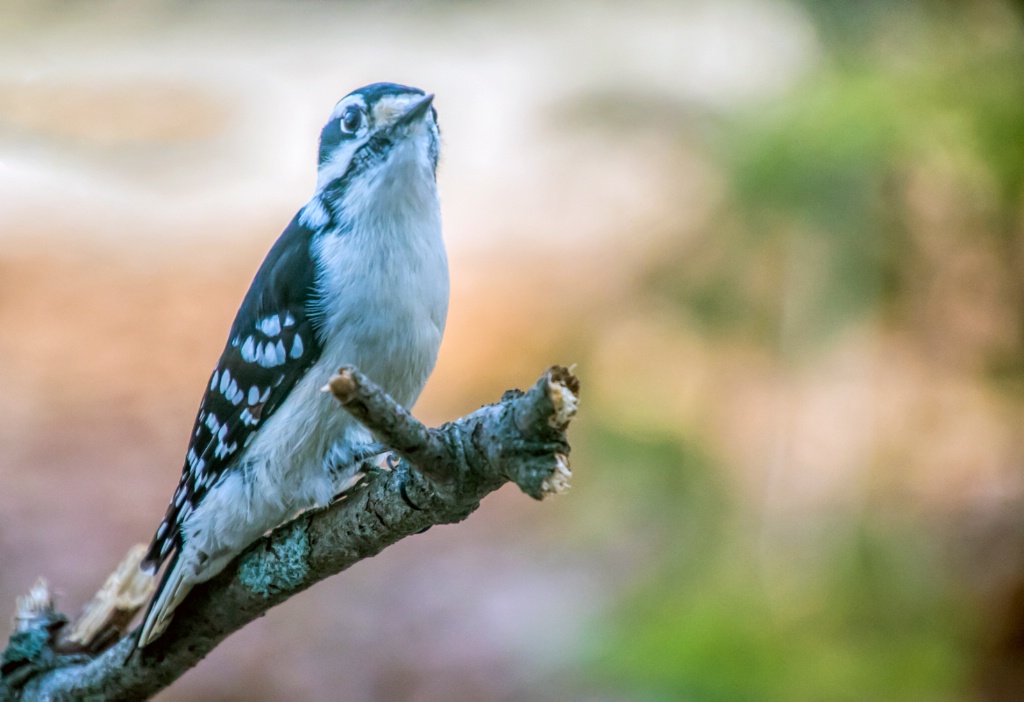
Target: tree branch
{"points": [[519, 439]]}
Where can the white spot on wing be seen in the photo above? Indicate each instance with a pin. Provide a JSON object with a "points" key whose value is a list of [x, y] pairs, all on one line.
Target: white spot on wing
{"points": [[249, 350], [289, 321], [247, 418], [271, 326], [225, 380], [269, 359], [254, 395], [297, 347], [282, 355], [214, 379], [223, 450]]}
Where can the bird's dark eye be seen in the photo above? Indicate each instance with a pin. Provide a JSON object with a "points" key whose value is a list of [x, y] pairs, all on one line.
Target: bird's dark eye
{"points": [[351, 119]]}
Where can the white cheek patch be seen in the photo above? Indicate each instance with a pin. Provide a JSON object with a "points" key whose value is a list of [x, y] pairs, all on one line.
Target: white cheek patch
{"points": [[338, 163]]}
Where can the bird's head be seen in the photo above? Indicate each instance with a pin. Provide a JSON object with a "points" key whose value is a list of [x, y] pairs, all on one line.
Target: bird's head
{"points": [[376, 130]]}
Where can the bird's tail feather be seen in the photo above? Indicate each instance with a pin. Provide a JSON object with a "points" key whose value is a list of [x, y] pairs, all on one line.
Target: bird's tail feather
{"points": [[171, 591]]}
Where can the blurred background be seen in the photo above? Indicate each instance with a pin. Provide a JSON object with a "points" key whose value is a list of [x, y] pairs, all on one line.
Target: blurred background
{"points": [[782, 240]]}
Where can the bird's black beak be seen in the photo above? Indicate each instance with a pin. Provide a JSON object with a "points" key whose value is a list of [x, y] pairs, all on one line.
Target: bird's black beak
{"points": [[415, 112]]}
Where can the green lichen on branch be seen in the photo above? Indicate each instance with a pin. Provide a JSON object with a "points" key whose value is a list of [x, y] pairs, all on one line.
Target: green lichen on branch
{"points": [[280, 565], [27, 654]]}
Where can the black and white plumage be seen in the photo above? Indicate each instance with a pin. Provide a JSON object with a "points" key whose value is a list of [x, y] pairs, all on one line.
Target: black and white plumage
{"points": [[358, 277]]}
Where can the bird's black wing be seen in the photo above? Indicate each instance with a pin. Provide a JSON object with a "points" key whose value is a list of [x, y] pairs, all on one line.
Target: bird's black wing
{"points": [[272, 344]]}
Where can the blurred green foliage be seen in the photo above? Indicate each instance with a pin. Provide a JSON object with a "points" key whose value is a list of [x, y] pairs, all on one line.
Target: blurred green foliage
{"points": [[872, 617], [815, 233], [666, 495], [820, 230], [875, 625]]}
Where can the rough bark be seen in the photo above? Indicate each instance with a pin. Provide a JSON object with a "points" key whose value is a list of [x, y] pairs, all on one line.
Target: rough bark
{"points": [[519, 439]]}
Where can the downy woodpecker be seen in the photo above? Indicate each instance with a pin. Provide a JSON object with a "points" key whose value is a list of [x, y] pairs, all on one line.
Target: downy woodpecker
{"points": [[360, 277]]}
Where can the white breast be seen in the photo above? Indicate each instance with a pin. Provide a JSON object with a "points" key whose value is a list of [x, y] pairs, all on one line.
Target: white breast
{"points": [[383, 281], [382, 300]]}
